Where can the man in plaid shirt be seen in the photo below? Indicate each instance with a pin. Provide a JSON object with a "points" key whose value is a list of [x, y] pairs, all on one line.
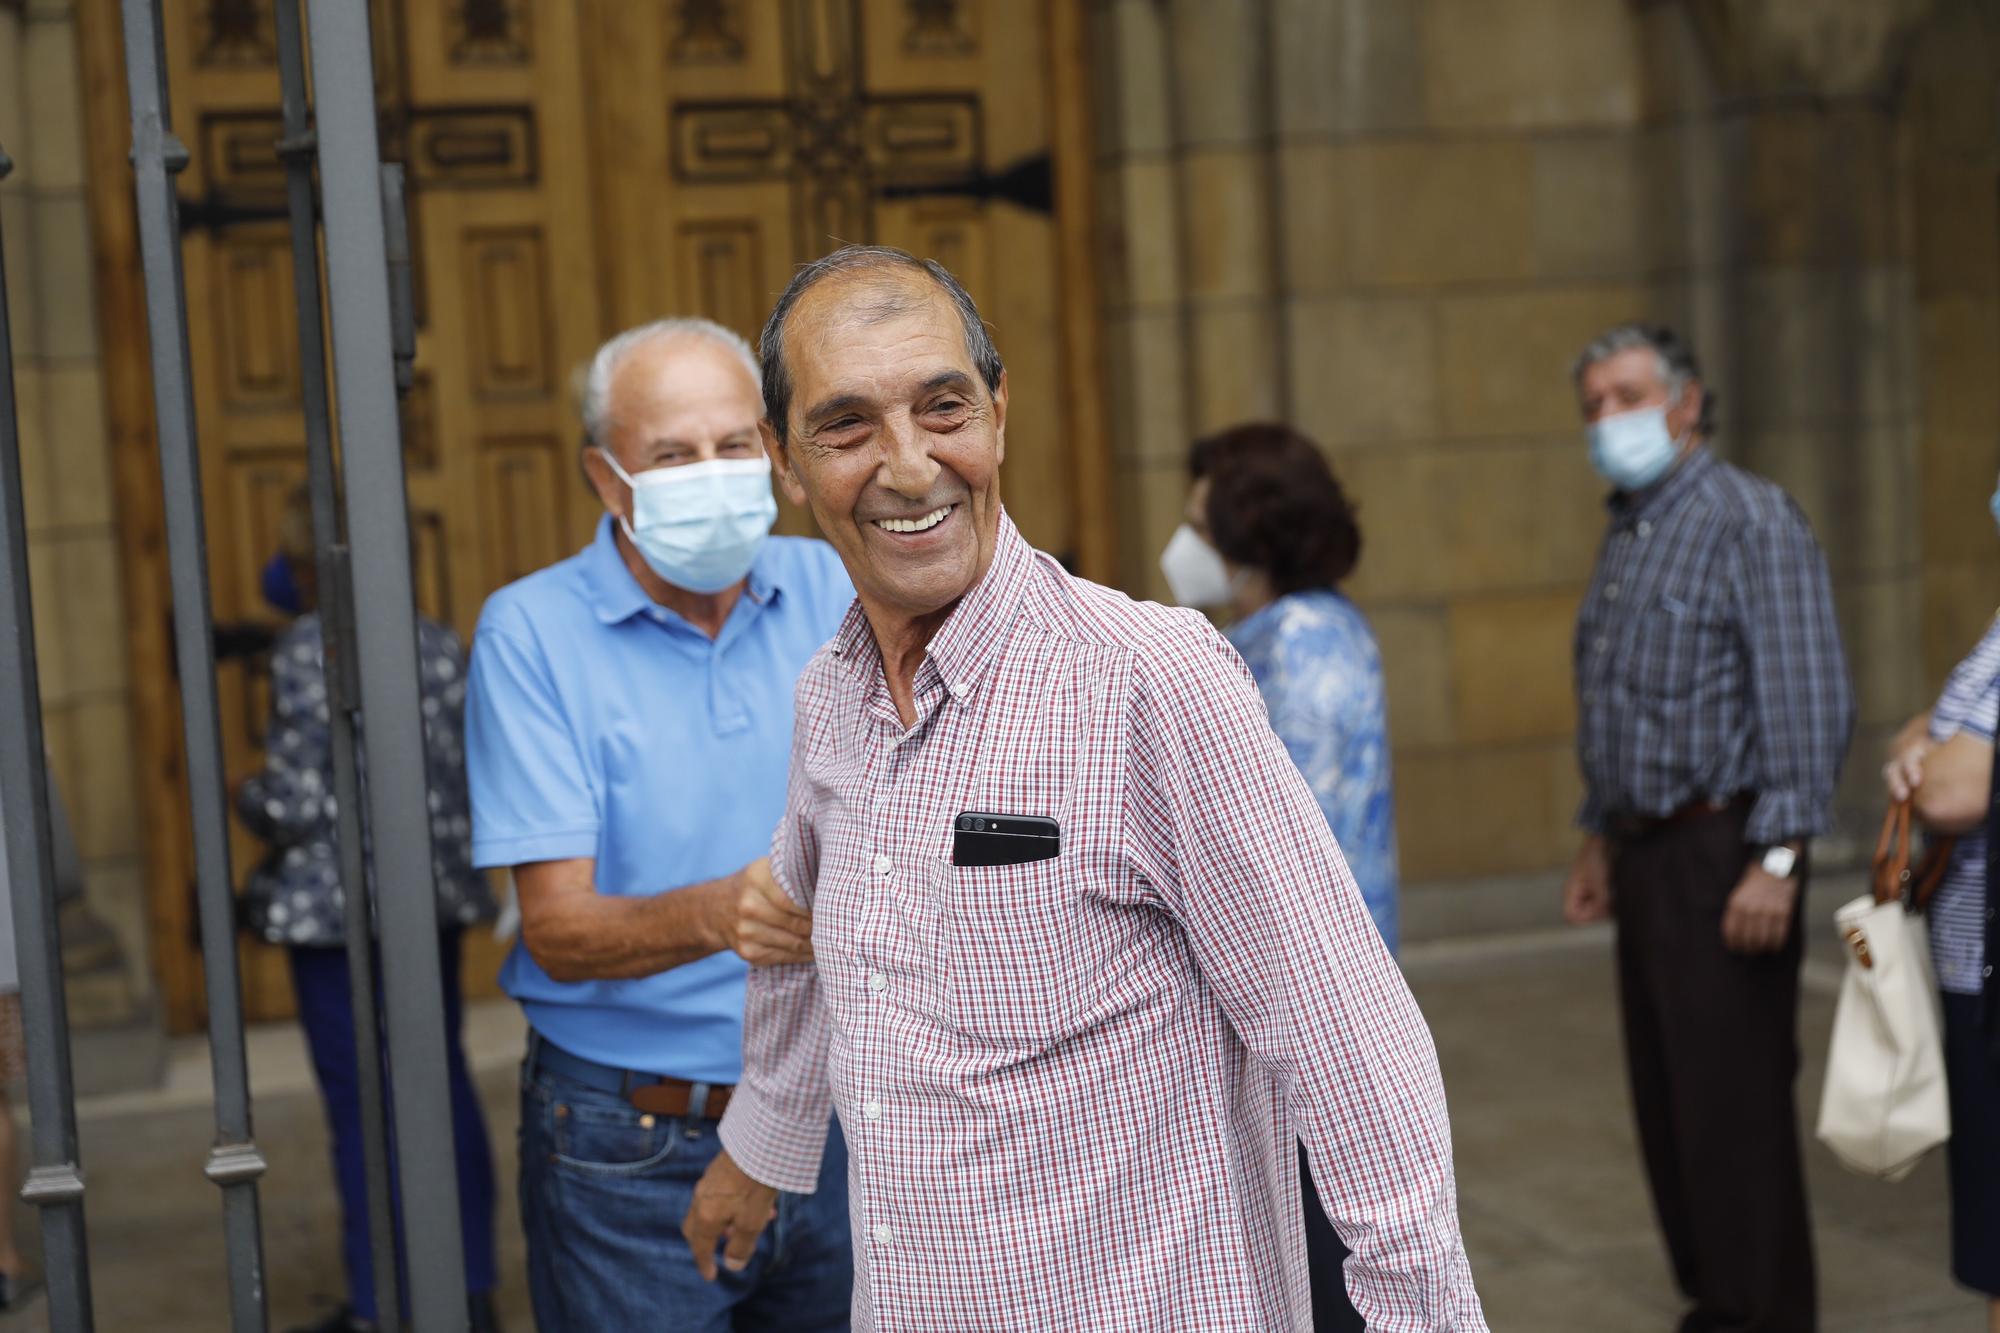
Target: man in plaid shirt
{"points": [[1714, 712], [1070, 1081]]}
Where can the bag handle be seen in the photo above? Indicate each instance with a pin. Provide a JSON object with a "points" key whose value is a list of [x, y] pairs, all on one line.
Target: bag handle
{"points": [[1895, 880]]}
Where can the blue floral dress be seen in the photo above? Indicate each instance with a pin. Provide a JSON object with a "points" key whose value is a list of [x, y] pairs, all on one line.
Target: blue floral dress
{"points": [[1320, 672]]}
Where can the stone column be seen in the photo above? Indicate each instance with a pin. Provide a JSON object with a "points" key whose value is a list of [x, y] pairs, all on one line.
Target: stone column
{"points": [[1811, 282], [72, 542]]}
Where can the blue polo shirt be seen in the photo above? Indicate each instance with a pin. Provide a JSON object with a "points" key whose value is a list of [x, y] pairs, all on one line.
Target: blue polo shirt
{"points": [[600, 724]]}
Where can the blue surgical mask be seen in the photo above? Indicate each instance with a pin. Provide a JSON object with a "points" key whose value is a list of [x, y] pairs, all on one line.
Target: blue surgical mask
{"points": [[1634, 449], [700, 525]]}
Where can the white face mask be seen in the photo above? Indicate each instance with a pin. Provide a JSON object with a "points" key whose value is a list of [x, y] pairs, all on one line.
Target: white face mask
{"points": [[700, 525], [1195, 573], [1634, 449]]}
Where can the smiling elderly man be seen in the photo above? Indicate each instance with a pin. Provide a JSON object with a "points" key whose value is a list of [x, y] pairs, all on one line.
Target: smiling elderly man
{"points": [[1088, 959]]}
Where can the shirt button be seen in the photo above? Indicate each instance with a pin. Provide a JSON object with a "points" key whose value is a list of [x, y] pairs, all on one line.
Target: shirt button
{"points": [[1603, 643], [1610, 592], [1645, 529], [883, 865], [872, 1110], [877, 982], [883, 1235]]}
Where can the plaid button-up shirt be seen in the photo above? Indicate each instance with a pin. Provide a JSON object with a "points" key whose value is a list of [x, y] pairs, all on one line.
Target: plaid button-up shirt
{"points": [[1071, 1088], [1708, 660]]}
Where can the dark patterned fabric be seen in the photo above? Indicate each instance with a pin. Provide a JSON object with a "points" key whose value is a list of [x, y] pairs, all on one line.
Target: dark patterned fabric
{"points": [[1708, 661], [294, 895]]}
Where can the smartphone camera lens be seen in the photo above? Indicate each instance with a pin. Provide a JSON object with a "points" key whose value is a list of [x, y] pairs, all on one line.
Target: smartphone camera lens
{"points": [[979, 825]]}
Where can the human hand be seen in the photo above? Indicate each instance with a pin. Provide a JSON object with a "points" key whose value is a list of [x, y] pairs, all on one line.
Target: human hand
{"points": [[759, 920], [731, 1209], [1587, 890], [1759, 914], [1904, 772]]}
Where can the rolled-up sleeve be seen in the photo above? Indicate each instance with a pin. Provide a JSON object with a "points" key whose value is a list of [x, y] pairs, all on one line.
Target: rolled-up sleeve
{"points": [[1221, 823], [776, 1124], [1802, 704]]}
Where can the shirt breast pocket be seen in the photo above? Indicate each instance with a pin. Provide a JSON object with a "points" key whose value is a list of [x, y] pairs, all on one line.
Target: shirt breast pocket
{"points": [[1671, 644], [1011, 952]]}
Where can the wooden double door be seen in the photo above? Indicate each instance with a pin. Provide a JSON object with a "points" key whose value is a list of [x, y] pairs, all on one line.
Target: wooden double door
{"points": [[575, 167]]}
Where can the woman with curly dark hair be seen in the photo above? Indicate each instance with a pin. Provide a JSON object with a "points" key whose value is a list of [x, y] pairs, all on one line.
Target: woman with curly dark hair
{"points": [[1269, 536]]}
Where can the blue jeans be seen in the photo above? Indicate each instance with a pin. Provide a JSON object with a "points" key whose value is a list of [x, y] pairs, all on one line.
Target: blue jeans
{"points": [[603, 1190], [319, 978]]}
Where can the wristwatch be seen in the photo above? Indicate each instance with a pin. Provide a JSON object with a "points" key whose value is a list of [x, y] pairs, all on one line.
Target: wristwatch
{"points": [[1780, 861]]}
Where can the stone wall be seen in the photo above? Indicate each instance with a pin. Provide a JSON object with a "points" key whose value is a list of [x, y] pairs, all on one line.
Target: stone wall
{"points": [[1952, 128], [80, 613], [1395, 221]]}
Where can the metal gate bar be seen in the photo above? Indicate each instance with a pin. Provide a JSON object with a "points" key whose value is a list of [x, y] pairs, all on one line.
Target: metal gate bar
{"points": [[55, 1183], [386, 648], [336, 614], [233, 1162]]}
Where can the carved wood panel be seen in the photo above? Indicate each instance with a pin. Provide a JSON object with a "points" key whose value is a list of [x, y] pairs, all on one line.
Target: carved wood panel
{"points": [[761, 135], [521, 489], [259, 334], [506, 286], [481, 100]]}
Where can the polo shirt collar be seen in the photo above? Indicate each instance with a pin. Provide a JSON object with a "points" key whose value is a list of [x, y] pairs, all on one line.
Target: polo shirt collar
{"points": [[970, 639], [616, 595]]}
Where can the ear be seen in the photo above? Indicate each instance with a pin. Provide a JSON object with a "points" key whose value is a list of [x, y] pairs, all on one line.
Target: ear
{"points": [[1000, 419], [610, 490], [1693, 398], [781, 463]]}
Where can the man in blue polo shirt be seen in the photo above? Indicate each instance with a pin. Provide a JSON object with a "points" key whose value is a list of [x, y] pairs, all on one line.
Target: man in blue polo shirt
{"points": [[628, 726]]}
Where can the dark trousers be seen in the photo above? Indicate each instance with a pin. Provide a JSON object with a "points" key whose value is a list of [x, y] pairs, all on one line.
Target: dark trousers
{"points": [[1326, 1259], [1711, 1045], [319, 976]]}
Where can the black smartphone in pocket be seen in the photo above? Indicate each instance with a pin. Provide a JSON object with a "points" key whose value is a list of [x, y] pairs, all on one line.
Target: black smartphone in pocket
{"points": [[980, 839]]}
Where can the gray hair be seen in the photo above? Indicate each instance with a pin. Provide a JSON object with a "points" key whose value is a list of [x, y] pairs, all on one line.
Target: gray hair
{"points": [[1676, 357], [603, 366], [861, 259]]}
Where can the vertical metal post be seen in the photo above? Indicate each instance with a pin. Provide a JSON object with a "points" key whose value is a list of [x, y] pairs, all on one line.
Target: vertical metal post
{"points": [[336, 613], [233, 1162], [55, 1183], [386, 646]]}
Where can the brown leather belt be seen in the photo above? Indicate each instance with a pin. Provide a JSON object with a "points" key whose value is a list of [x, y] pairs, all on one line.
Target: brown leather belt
{"points": [[655, 1094], [1639, 826], [673, 1097]]}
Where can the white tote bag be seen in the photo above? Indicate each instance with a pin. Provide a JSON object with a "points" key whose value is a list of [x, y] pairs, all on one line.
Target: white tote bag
{"points": [[1885, 1102]]}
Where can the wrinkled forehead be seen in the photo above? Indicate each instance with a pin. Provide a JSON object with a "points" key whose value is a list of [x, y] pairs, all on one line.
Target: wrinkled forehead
{"points": [[880, 327], [674, 375]]}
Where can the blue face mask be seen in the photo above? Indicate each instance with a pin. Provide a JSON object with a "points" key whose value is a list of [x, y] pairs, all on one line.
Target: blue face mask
{"points": [[700, 525], [1632, 450], [1994, 505]]}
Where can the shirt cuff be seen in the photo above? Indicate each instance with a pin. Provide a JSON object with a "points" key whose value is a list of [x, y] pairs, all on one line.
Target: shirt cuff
{"points": [[1590, 817], [772, 1149], [490, 851], [1784, 815]]}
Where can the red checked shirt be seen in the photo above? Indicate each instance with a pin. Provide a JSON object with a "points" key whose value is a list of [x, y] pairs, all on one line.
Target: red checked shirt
{"points": [[1071, 1088]]}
